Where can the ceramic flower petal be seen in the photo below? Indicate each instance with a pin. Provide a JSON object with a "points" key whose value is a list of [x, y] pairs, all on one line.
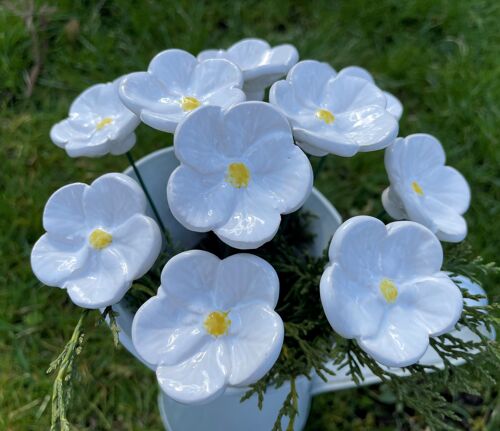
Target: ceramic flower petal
{"points": [[260, 63], [176, 83], [210, 327], [384, 287], [98, 240], [189, 277], [434, 303], [63, 214], [54, 260], [256, 279], [199, 379], [330, 113], [368, 308], [171, 340], [98, 124], [394, 106], [396, 344], [260, 337], [240, 170], [423, 189]]}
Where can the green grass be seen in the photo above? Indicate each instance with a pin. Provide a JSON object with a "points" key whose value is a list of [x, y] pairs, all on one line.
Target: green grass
{"points": [[441, 58]]}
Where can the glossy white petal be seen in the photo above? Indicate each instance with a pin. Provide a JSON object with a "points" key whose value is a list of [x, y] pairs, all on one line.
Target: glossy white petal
{"points": [[413, 156], [157, 95], [410, 250], [436, 303], [322, 142], [138, 243], [123, 146], [252, 222], [173, 68], [394, 106], [283, 172], [101, 282], [351, 94], [283, 94], [256, 343], [199, 379], [243, 278], [397, 343], [53, 261], [254, 123], [370, 128], [165, 332], [211, 76], [309, 80], [199, 141], [225, 98], [449, 187], [152, 101], [63, 215], [95, 146], [354, 309], [356, 247], [428, 192], [199, 201], [189, 279], [70, 129], [450, 226], [393, 205], [112, 199], [277, 176]]}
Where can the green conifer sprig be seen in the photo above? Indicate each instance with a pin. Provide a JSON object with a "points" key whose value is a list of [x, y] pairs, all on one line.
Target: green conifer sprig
{"points": [[64, 365]]}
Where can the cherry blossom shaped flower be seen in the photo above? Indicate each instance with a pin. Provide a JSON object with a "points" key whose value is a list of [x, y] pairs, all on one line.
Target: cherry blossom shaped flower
{"points": [[98, 240], [176, 84], [211, 326], [384, 287], [239, 171], [394, 106], [330, 113], [423, 189], [98, 124], [260, 63]]}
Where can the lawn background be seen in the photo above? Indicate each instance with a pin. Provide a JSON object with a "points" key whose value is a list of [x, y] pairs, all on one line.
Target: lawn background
{"points": [[441, 58]]}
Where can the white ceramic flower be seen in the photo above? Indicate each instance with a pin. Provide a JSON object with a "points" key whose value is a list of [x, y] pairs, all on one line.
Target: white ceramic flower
{"points": [[176, 83], [394, 106], [98, 124], [384, 287], [212, 325], [334, 114], [261, 64], [239, 171], [423, 189], [98, 240]]}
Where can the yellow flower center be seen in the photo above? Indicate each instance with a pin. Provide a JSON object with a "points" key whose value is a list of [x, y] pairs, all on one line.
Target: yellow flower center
{"points": [[389, 290], [217, 323], [325, 115], [238, 175], [103, 123], [189, 103], [100, 239], [417, 189]]}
